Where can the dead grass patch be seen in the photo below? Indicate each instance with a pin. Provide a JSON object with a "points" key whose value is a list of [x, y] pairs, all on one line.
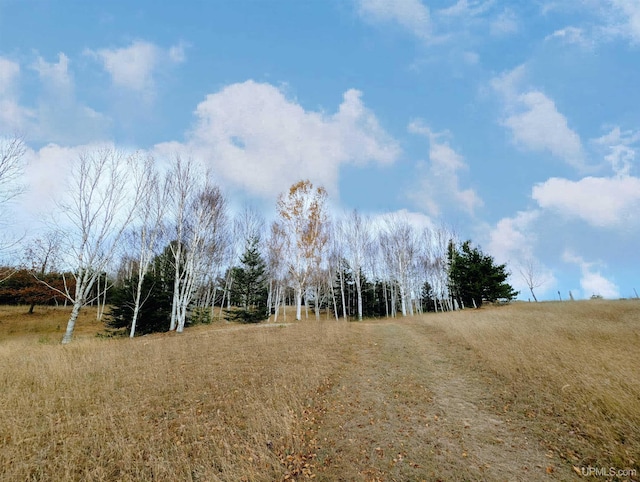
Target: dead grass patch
{"points": [[569, 368], [522, 392], [212, 405], [46, 323]]}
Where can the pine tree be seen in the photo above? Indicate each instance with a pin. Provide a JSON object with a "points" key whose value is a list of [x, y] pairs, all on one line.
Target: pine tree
{"points": [[474, 277], [249, 289], [155, 309]]}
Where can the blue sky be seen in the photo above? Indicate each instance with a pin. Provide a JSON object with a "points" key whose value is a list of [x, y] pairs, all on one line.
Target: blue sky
{"points": [[515, 123]]}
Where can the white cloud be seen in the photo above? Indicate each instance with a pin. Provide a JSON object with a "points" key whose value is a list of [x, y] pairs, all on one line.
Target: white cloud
{"points": [[609, 20], [461, 25], [508, 83], [512, 242], [592, 281], [56, 74], [134, 67], [624, 20], [410, 14], [466, 8], [258, 140], [441, 182], [9, 72], [535, 122], [13, 117], [601, 202], [417, 220], [59, 116], [621, 155], [513, 238], [539, 126], [571, 35]]}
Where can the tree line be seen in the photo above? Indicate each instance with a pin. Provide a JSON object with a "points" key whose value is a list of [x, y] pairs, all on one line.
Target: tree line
{"points": [[162, 250]]}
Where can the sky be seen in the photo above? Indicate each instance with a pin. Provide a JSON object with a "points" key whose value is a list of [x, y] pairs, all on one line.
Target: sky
{"points": [[515, 123]]}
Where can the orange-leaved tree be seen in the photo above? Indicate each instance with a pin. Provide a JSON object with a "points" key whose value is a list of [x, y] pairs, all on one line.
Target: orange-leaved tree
{"points": [[303, 219]]}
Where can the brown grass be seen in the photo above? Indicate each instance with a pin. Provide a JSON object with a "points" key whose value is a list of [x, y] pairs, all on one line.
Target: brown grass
{"points": [[572, 368], [523, 392], [46, 324]]}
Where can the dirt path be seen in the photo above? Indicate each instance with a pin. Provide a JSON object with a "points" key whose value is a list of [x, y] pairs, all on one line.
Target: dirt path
{"points": [[410, 407]]}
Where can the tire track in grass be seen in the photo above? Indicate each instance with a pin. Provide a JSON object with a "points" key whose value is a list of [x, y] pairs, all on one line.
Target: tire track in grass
{"points": [[407, 408]]}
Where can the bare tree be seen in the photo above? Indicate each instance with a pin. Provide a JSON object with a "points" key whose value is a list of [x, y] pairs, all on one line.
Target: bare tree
{"points": [[334, 266], [303, 217], [276, 267], [11, 168], [398, 243], [148, 226], [199, 216], [436, 263], [533, 274], [356, 233], [98, 209], [247, 225], [41, 255], [12, 151]]}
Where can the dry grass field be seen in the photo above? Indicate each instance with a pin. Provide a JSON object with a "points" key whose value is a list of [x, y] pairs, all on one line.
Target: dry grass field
{"points": [[544, 391]]}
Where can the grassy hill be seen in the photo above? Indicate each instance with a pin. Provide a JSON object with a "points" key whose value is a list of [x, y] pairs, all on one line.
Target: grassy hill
{"points": [[522, 392]]}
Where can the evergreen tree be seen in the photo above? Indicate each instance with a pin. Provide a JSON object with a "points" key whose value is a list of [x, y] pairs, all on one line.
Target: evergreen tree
{"points": [[157, 294], [474, 277], [427, 296], [249, 290]]}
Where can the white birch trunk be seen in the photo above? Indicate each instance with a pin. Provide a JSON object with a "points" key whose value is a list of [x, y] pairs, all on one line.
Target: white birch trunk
{"points": [[298, 303]]}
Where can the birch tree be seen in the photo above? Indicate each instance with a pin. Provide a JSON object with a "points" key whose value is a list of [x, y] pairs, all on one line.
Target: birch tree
{"points": [[200, 220], [302, 213], [356, 233], [148, 217], [98, 209], [276, 267], [398, 243], [435, 263]]}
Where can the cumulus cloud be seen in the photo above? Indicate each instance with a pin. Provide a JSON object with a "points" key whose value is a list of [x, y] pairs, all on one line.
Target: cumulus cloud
{"points": [[602, 202], [512, 241], [535, 122], [134, 67], [512, 238], [592, 281], [441, 182], [410, 14], [46, 176], [259, 140]]}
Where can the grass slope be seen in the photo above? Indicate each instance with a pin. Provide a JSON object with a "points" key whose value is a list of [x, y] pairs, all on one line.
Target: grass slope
{"points": [[522, 392]]}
